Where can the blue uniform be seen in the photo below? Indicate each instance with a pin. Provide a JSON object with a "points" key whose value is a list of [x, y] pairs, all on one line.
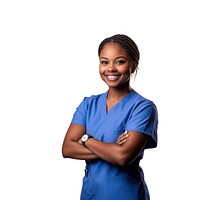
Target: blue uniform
{"points": [[105, 181]]}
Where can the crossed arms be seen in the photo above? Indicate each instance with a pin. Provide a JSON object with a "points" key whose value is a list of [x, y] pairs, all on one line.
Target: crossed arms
{"points": [[127, 147]]}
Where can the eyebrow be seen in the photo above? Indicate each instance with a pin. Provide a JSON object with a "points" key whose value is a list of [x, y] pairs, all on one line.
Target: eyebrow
{"points": [[115, 58]]}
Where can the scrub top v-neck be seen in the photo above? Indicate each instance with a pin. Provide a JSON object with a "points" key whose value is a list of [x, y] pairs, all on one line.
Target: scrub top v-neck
{"points": [[105, 181]]}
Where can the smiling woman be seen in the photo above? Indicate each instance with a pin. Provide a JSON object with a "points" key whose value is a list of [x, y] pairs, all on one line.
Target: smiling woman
{"points": [[114, 65], [110, 131]]}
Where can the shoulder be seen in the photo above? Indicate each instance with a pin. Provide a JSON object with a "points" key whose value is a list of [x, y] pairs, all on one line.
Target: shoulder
{"points": [[141, 101], [142, 107], [93, 99], [88, 104]]}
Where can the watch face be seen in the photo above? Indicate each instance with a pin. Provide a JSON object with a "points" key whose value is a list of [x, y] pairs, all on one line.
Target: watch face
{"points": [[85, 138]]}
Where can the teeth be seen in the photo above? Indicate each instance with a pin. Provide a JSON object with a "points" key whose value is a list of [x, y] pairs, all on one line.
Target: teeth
{"points": [[112, 77]]}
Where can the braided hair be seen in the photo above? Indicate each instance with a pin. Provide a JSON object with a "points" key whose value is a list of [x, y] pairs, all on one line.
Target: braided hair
{"points": [[129, 46]]}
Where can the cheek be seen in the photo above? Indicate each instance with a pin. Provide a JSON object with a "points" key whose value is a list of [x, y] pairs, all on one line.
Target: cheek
{"points": [[127, 75], [101, 72], [126, 70], [101, 69]]}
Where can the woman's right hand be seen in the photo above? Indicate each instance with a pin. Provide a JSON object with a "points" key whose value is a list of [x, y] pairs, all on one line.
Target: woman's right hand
{"points": [[122, 138]]}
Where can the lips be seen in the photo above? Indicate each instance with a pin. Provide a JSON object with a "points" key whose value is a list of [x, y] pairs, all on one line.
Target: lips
{"points": [[112, 78]]}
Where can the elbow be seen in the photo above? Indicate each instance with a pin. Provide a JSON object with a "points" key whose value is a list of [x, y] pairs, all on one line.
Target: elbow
{"points": [[64, 155], [124, 160], [69, 150], [123, 163], [65, 152]]}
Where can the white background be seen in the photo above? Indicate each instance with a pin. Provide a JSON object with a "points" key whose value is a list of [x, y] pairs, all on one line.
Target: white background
{"points": [[49, 62]]}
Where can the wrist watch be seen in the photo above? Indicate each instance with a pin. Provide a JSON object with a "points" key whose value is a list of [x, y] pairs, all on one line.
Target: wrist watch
{"points": [[85, 138]]}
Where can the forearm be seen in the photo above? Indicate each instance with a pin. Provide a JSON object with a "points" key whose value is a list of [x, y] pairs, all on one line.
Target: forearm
{"points": [[75, 150], [110, 152], [123, 152]]}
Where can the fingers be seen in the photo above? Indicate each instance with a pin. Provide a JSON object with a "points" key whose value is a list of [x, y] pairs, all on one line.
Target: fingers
{"points": [[121, 142], [122, 138], [123, 134]]}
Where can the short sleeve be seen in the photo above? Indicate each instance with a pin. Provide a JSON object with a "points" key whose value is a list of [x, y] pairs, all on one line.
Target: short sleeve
{"points": [[144, 119], [79, 116]]}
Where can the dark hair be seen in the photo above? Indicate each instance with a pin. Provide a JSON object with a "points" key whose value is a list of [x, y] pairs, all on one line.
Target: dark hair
{"points": [[128, 44]]}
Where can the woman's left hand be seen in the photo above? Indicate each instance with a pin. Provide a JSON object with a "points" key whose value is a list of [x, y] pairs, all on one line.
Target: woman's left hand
{"points": [[122, 138]]}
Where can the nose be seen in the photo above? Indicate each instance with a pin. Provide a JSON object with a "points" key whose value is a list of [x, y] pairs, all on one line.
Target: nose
{"points": [[112, 67]]}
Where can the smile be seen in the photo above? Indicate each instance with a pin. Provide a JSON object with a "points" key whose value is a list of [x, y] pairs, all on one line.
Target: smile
{"points": [[112, 78]]}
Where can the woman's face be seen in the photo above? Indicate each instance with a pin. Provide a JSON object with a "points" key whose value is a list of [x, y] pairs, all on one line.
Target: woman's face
{"points": [[114, 67]]}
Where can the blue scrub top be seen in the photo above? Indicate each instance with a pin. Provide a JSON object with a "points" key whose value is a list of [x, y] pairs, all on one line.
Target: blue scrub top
{"points": [[105, 181]]}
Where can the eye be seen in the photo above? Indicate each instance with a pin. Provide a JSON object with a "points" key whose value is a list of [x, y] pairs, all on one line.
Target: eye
{"points": [[104, 62], [120, 62]]}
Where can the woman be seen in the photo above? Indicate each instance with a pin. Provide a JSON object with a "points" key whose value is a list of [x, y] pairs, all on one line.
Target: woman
{"points": [[111, 130]]}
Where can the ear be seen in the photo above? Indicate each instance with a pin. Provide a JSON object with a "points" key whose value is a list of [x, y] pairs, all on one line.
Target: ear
{"points": [[133, 67]]}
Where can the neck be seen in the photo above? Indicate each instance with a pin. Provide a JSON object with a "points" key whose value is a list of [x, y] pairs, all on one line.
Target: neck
{"points": [[116, 93]]}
